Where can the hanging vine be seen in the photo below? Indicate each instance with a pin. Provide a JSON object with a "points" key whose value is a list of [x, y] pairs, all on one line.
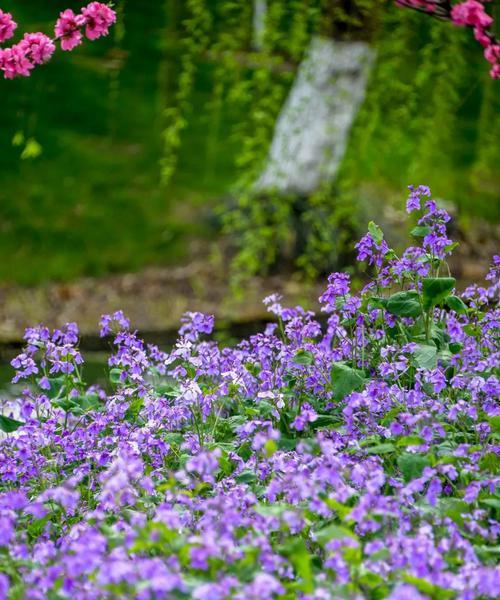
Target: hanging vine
{"points": [[405, 127], [195, 38]]}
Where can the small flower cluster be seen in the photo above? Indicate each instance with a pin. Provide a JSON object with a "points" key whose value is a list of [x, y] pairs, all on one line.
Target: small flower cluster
{"points": [[353, 460], [470, 13], [37, 48]]}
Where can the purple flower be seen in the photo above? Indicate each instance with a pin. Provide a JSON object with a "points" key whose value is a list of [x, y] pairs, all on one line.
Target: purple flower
{"points": [[108, 322], [414, 198], [307, 415], [371, 251]]}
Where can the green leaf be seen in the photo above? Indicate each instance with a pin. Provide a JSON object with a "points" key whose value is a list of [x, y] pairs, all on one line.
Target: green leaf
{"points": [[246, 476], [491, 501], [425, 356], [371, 580], [325, 421], [381, 449], [455, 509], [455, 347], [410, 440], [134, 408], [303, 357], [55, 386], [490, 462], [166, 389], [495, 423], [345, 380], [412, 465], [114, 376], [420, 231], [8, 425], [173, 437], [486, 553], [376, 233], [298, 554], [426, 587], [436, 289], [456, 304], [89, 402], [333, 532], [273, 510], [18, 139], [31, 150], [404, 304]]}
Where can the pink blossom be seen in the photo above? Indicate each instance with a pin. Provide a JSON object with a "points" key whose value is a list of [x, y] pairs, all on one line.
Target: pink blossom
{"points": [[470, 13], [7, 26], [492, 53], [68, 29], [98, 18], [37, 47], [481, 36], [13, 62]]}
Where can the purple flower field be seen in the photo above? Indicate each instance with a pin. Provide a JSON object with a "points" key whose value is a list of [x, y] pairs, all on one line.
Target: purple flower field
{"points": [[356, 460]]}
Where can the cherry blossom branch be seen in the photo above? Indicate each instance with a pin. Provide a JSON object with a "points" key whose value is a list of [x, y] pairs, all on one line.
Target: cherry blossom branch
{"points": [[93, 21], [471, 14]]}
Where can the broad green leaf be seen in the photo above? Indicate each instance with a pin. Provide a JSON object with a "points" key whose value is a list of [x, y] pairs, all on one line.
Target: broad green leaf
{"points": [[425, 356], [168, 390], [493, 502], [412, 465], [115, 376], [287, 443], [495, 423], [325, 421], [420, 231], [134, 409], [173, 437], [456, 304], [381, 449], [246, 476], [371, 580], [88, 402], [410, 440], [303, 357], [273, 510], [404, 304], [376, 233], [333, 532], [426, 587], [455, 347], [488, 553], [436, 289], [341, 509], [455, 509], [266, 408], [345, 380], [301, 559], [490, 462], [55, 386], [8, 425]]}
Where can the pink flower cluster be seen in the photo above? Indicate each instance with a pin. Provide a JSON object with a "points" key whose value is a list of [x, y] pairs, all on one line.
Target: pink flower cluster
{"points": [[34, 49], [470, 13], [37, 48], [7, 26]]}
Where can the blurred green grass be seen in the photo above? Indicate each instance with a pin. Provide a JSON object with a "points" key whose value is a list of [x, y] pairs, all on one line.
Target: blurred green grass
{"points": [[91, 203]]}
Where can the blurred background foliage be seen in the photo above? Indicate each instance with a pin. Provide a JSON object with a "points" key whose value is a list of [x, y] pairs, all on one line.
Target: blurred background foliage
{"points": [[120, 154]]}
